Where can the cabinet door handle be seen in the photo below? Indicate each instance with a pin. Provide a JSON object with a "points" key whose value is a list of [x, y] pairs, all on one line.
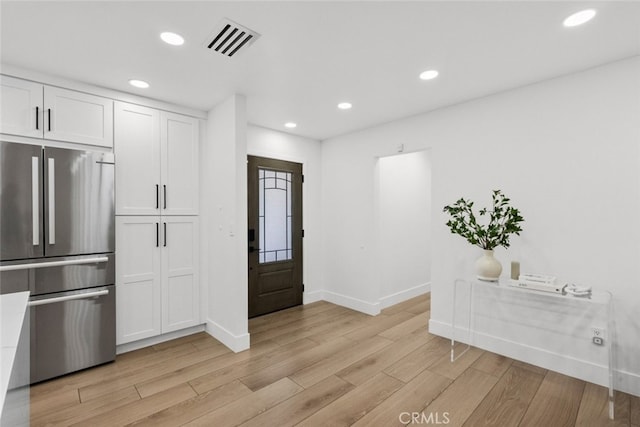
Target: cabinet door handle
{"points": [[165, 234], [164, 191], [157, 234], [49, 114], [37, 117], [157, 196]]}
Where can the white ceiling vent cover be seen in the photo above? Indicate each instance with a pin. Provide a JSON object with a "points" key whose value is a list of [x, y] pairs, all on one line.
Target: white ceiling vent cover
{"points": [[230, 38]]}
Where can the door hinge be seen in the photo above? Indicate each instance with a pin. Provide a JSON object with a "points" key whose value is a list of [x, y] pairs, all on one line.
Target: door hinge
{"points": [[303, 178], [303, 233], [303, 287]]}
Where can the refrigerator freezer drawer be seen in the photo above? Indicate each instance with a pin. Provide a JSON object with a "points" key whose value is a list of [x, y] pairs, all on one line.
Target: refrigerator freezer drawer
{"points": [[75, 276], [51, 275], [71, 331], [14, 281]]}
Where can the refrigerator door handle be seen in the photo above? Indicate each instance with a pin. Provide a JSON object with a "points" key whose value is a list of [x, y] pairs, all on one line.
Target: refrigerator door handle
{"points": [[35, 193], [83, 295], [52, 201], [53, 263]]}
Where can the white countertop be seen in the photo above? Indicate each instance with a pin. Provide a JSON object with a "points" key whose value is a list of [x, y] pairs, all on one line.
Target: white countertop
{"points": [[12, 310]]}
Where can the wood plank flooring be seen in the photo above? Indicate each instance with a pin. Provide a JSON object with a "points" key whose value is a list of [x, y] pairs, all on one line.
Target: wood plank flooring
{"points": [[324, 365]]}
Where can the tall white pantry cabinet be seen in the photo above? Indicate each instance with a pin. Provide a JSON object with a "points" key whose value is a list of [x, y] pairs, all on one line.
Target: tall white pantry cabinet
{"points": [[157, 286]]}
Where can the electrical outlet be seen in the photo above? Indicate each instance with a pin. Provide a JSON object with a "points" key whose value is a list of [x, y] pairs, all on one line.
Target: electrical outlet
{"points": [[597, 335]]}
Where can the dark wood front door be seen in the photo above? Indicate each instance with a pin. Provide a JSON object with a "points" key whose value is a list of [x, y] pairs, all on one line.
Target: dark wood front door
{"points": [[275, 234]]}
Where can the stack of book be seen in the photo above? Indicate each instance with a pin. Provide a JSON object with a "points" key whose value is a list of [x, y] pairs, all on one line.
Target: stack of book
{"points": [[538, 282]]}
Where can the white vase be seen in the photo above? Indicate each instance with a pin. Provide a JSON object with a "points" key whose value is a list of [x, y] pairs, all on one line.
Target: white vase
{"points": [[488, 268]]}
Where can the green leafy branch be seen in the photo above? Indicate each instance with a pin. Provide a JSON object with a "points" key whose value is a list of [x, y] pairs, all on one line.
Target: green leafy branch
{"points": [[504, 220]]}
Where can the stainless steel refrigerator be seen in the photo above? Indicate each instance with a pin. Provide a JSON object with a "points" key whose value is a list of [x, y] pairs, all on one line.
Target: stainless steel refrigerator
{"points": [[57, 240]]}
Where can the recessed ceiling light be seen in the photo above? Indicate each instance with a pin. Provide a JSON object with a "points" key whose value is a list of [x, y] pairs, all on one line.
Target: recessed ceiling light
{"points": [[429, 74], [139, 83], [579, 18], [290, 125], [345, 105], [172, 38]]}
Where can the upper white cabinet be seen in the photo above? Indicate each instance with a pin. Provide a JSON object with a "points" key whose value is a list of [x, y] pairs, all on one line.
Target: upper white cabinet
{"points": [[137, 149], [39, 111], [156, 162], [78, 117], [21, 107], [179, 172]]}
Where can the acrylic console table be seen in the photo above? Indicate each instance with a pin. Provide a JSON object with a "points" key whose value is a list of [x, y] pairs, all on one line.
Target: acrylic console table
{"points": [[534, 321]]}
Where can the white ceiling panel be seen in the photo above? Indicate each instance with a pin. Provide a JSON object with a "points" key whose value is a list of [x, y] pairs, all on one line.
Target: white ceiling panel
{"points": [[312, 55]]}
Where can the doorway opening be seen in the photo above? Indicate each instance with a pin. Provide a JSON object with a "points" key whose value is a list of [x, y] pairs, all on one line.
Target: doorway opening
{"points": [[404, 224]]}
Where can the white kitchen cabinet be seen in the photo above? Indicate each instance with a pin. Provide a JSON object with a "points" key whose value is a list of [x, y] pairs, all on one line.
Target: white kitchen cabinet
{"points": [[137, 150], [77, 117], [157, 162], [20, 107], [39, 111], [157, 281], [138, 278], [179, 171], [180, 282]]}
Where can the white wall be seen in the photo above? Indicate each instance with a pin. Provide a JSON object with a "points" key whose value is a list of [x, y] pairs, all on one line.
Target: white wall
{"points": [[404, 226], [223, 219], [565, 150], [265, 142]]}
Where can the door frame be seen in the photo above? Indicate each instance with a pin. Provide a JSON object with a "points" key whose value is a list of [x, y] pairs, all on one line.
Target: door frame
{"points": [[300, 229]]}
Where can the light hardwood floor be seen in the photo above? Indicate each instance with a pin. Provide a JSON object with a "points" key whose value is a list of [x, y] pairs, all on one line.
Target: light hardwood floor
{"points": [[324, 365]]}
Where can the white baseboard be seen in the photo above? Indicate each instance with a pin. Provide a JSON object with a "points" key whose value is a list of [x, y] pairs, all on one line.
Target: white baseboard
{"points": [[362, 306], [136, 345], [309, 297], [365, 307], [583, 369], [401, 296], [236, 343], [627, 382]]}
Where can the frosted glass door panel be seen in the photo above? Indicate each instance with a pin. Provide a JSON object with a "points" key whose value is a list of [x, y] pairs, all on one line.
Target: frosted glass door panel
{"points": [[274, 215]]}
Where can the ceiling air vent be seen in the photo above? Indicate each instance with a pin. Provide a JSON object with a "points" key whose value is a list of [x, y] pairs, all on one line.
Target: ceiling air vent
{"points": [[230, 37]]}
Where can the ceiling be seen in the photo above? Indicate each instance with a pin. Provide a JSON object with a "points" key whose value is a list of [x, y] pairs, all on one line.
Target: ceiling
{"points": [[313, 55]]}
